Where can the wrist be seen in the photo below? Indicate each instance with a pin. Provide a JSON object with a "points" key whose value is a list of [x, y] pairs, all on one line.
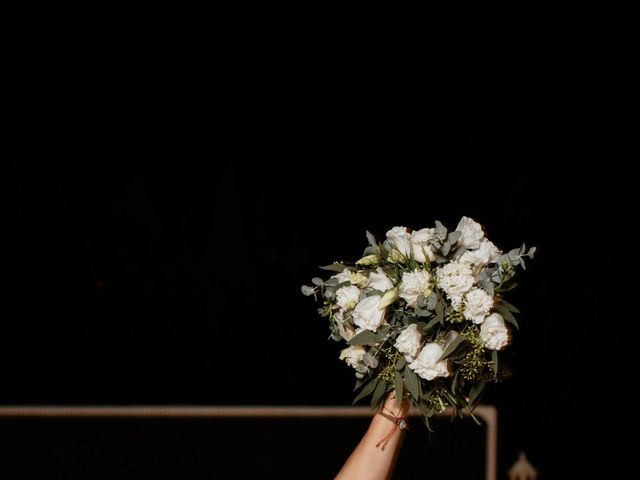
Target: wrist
{"points": [[395, 406]]}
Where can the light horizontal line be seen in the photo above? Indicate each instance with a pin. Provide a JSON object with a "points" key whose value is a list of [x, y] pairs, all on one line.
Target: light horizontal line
{"points": [[196, 411]]}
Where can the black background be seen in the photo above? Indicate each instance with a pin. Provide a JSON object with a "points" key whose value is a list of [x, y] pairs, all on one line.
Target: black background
{"points": [[164, 210]]}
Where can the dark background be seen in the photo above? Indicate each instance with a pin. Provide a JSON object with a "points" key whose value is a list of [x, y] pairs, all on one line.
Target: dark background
{"points": [[161, 219]]}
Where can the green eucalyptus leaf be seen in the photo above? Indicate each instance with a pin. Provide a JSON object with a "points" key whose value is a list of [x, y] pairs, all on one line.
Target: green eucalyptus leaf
{"points": [[423, 312], [317, 281], [367, 390], [508, 316], [432, 301], [507, 287], [441, 259], [454, 236], [421, 301], [494, 358], [378, 393], [369, 360], [400, 362], [420, 325], [307, 290], [365, 337], [398, 385], [331, 282], [508, 306], [452, 346], [454, 382], [475, 392], [372, 240], [370, 251], [382, 332], [430, 325], [440, 312], [412, 381], [425, 395], [487, 285], [441, 231], [334, 267]]}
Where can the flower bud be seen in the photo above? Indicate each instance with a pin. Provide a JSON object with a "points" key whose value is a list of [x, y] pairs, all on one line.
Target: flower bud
{"points": [[369, 260]]}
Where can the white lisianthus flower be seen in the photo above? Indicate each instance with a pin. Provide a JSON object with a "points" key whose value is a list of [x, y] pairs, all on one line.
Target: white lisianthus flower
{"points": [[455, 279], [368, 314], [369, 260], [353, 356], [359, 279], [428, 364], [471, 231], [477, 305], [413, 285], [408, 342], [378, 280], [485, 254], [347, 297], [400, 239], [343, 276], [494, 332], [420, 245]]}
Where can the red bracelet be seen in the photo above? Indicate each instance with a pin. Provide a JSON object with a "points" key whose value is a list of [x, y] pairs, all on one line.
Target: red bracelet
{"points": [[399, 421]]}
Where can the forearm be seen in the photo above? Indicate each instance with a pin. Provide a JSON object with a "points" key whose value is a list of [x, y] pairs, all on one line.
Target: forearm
{"points": [[369, 461]]}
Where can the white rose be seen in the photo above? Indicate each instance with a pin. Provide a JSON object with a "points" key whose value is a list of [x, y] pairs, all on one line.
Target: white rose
{"points": [[413, 285], [471, 233], [428, 364], [420, 245], [408, 342], [353, 356], [477, 305], [455, 279], [494, 332], [368, 314], [347, 297], [399, 238], [378, 280], [485, 254]]}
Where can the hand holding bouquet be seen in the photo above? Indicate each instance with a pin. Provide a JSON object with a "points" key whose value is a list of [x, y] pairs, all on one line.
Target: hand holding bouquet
{"points": [[423, 313]]}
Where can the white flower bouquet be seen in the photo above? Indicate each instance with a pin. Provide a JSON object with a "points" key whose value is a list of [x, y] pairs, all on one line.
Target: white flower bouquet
{"points": [[423, 313]]}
